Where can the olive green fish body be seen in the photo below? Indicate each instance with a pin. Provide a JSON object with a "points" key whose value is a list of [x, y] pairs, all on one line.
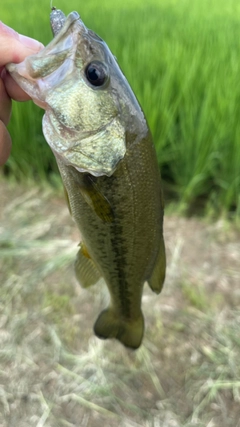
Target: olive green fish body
{"points": [[125, 245], [108, 164]]}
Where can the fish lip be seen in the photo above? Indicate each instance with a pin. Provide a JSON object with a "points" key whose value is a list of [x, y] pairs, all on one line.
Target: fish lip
{"points": [[70, 19], [13, 69], [58, 21], [20, 71]]}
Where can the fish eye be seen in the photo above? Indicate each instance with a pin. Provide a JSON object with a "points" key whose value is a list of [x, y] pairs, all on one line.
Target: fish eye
{"points": [[96, 73]]}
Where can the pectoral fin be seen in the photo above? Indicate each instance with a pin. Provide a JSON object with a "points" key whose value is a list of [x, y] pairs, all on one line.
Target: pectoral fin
{"points": [[86, 272], [158, 275], [96, 200], [67, 199]]}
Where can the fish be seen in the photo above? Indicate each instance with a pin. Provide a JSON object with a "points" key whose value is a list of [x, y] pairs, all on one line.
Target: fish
{"points": [[108, 164]]}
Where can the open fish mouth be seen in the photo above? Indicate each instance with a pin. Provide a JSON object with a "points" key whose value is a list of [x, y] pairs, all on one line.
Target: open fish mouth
{"points": [[38, 73]]}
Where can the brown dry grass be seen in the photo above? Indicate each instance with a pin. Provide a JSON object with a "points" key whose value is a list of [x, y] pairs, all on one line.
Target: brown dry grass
{"points": [[54, 372]]}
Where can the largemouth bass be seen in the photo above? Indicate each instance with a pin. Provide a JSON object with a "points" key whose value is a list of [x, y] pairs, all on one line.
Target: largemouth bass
{"points": [[107, 161]]}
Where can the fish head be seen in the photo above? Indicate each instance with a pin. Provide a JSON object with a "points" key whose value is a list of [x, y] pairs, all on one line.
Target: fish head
{"points": [[88, 103]]}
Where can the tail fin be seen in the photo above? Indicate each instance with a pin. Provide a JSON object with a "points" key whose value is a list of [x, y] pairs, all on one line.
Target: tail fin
{"points": [[128, 332]]}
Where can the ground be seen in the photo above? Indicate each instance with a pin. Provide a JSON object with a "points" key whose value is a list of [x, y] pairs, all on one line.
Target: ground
{"points": [[54, 372]]}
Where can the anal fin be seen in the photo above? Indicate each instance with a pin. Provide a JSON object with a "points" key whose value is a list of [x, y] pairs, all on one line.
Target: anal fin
{"points": [[86, 272], [158, 275]]}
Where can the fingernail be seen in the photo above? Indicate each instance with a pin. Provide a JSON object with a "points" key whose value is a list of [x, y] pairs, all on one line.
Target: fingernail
{"points": [[30, 43]]}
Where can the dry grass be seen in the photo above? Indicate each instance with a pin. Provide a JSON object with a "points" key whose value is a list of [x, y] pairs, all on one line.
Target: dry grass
{"points": [[54, 372]]}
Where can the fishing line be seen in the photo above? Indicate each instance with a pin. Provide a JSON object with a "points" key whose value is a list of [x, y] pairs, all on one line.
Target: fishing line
{"points": [[51, 6]]}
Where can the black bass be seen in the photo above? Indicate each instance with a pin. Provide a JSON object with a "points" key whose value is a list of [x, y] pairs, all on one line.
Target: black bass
{"points": [[106, 157]]}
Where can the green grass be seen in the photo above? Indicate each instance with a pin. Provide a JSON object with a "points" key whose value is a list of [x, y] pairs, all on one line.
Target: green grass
{"points": [[182, 61]]}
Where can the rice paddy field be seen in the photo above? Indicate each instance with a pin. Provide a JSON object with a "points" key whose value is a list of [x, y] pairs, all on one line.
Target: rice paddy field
{"points": [[182, 59]]}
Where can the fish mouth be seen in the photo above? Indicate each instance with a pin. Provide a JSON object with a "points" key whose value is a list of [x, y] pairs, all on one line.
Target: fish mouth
{"points": [[36, 70]]}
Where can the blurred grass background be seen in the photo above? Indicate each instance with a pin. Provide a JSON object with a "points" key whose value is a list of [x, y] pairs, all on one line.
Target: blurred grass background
{"points": [[181, 58]]}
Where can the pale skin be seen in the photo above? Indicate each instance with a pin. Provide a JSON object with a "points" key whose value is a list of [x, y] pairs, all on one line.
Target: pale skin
{"points": [[14, 47]]}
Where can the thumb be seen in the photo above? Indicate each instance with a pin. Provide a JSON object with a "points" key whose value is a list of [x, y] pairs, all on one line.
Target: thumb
{"points": [[15, 47]]}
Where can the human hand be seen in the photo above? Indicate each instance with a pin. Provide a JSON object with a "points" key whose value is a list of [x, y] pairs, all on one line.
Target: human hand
{"points": [[13, 48]]}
